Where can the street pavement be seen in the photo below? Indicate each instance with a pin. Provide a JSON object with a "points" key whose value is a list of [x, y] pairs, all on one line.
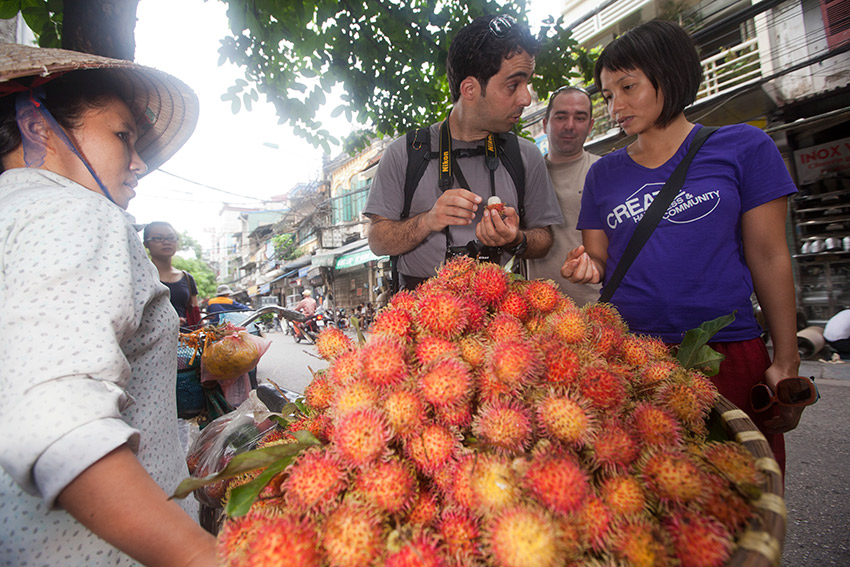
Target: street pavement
{"points": [[817, 493]]}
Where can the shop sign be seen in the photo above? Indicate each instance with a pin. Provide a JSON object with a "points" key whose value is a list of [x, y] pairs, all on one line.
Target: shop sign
{"points": [[356, 258], [817, 162]]}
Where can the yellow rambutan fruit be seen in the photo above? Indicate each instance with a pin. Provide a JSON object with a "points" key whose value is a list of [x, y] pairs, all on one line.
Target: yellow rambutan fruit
{"points": [[389, 485], [354, 396], [352, 536], [361, 436], [505, 426], [684, 403], [473, 349], [332, 342], [569, 326], [565, 419], [404, 410], [641, 543], [734, 462], [315, 480], [494, 484], [673, 477], [623, 495], [523, 536]]}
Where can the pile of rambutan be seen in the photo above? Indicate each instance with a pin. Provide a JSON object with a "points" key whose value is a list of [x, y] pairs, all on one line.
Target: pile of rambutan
{"points": [[488, 420]]}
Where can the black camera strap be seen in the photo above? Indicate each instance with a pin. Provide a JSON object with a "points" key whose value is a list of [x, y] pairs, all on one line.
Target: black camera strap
{"points": [[449, 167]]}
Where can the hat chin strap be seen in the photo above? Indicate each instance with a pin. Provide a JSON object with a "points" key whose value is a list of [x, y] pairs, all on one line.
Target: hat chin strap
{"points": [[34, 153]]}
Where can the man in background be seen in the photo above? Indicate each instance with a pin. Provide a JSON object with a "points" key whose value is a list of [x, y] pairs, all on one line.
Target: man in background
{"points": [[222, 302], [567, 123]]}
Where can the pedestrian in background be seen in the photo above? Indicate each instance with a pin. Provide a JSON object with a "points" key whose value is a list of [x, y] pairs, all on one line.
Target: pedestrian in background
{"points": [[162, 243], [722, 238], [222, 303], [567, 123]]}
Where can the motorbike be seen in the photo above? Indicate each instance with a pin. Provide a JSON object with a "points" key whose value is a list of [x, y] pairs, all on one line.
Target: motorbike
{"points": [[341, 319], [305, 328]]}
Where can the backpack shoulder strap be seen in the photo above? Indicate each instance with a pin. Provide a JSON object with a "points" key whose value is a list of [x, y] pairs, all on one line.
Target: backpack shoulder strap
{"points": [[418, 155], [512, 160]]}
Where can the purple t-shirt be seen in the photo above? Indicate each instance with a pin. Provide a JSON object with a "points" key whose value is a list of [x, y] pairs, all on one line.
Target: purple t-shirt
{"points": [[692, 269]]}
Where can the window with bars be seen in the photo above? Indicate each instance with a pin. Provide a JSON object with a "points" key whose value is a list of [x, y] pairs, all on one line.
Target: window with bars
{"points": [[836, 21], [348, 205]]}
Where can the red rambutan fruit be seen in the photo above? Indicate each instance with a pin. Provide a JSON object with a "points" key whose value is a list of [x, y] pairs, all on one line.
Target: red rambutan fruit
{"points": [[633, 350], [561, 362], [421, 550], [440, 313], [460, 534], [389, 485], [503, 326], [505, 426], [656, 426], [523, 536], [684, 403], [473, 350], [430, 347], [459, 488], [237, 535], [394, 323], [345, 369], [727, 505], [332, 342], [352, 536], [604, 389], [597, 521], [318, 393], [490, 284], [425, 509], [557, 482], [315, 480], [404, 300], [734, 462], [432, 447], [286, 540], [641, 543], [361, 436], [456, 273], [699, 540], [654, 374], [457, 415], [614, 448], [515, 363], [542, 295], [384, 362], [514, 304], [476, 314], [604, 314], [445, 382]]}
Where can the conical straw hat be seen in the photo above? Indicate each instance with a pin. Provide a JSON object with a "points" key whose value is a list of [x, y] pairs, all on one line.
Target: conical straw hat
{"points": [[165, 107]]}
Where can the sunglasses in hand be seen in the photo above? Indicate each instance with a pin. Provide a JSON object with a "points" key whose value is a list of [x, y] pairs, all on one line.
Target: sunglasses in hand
{"points": [[795, 392]]}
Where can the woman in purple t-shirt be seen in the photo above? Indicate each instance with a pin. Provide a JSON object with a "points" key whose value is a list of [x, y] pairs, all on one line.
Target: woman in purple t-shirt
{"points": [[722, 237]]}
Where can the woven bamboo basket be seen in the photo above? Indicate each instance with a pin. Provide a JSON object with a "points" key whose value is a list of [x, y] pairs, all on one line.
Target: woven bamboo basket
{"points": [[760, 545]]}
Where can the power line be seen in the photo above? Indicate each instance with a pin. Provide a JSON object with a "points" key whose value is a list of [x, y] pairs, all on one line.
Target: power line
{"points": [[213, 188]]}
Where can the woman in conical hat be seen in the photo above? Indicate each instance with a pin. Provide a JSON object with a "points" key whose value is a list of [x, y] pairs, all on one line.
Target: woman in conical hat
{"points": [[89, 446]]}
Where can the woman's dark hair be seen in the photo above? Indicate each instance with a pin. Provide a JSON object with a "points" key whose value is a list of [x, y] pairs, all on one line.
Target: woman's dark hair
{"points": [[667, 56], [156, 224], [67, 97], [477, 52]]}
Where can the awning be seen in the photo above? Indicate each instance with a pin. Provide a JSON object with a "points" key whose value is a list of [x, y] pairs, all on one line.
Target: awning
{"points": [[327, 258], [357, 257]]}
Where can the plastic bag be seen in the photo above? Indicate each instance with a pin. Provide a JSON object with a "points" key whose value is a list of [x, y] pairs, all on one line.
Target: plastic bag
{"points": [[221, 440], [232, 355]]}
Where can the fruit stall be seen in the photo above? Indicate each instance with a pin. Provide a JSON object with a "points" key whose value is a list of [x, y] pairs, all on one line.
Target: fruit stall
{"points": [[488, 420]]}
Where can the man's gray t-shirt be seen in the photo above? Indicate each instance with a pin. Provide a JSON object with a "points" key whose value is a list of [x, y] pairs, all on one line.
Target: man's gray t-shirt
{"points": [[386, 197]]}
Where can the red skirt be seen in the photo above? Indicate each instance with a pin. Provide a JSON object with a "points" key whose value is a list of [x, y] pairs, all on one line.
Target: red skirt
{"points": [[743, 367]]}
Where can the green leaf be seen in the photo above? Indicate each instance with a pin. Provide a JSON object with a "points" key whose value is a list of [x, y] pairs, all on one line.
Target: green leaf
{"points": [[9, 10], [249, 461], [694, 353], [243, 496]]}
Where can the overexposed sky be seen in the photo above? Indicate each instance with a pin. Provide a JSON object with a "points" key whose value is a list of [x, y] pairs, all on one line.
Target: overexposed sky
{"points": [[226, 151]]}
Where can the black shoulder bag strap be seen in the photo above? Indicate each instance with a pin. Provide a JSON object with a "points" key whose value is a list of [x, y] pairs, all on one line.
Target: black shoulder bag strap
{"points": [[654, 214], [418, 144]]}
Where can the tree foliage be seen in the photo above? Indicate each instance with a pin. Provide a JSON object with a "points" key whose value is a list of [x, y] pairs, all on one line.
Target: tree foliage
{"points": [[387, 56], [203, 274]]}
